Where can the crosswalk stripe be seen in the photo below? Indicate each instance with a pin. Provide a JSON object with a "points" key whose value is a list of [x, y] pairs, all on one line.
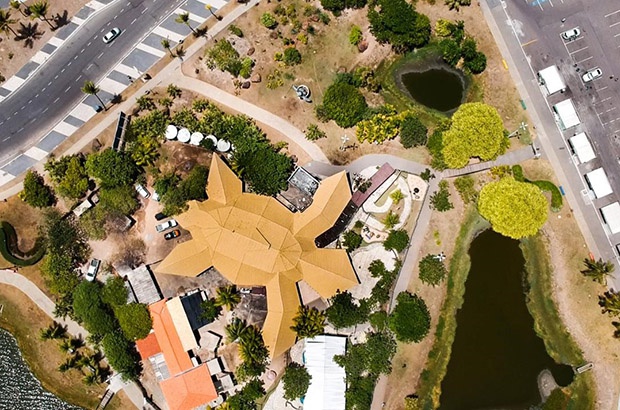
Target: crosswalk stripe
{"points": [[83, 111], [36, 153], [40, 57], [65, 129], [171, 35], [111, 86], [13, 83], [151, 50]]}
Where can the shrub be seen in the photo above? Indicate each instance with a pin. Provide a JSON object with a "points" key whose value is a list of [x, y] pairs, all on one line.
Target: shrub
{"points": [[344, 104], [268, 20], [313, 133], [477, 64], [292, 56], [391, 220], [223, 56], [355, 35], [336, 6], [450, 52], [412, 131], [296, 381], [397, 240], [351, 240], [380, 127], [398, 24], [432, 270], [246, 67], [235, 30], [36, 193], [397, 196], [10, 251], [466, 188], [410, 321], [440, 200], [111, 168]]}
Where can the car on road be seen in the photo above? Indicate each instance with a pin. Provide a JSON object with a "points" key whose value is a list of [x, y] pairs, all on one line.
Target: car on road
{"points": [[171, 223], [571, 34], [111, 35], [592, 75], [93, 268], [142, 191], [172, 234]]}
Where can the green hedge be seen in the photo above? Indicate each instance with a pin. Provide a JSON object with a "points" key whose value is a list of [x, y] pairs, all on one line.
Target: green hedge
{"points": [[11, 252], [547, 186]]}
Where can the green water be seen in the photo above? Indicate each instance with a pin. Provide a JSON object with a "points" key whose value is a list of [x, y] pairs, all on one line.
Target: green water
{"points": [[496, 356], [435, 88]]}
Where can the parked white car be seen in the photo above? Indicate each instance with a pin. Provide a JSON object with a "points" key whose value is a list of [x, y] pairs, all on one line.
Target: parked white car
{"points": [[93, 268], [571, 34], [171, 223], [142, 191], [592, 75]]}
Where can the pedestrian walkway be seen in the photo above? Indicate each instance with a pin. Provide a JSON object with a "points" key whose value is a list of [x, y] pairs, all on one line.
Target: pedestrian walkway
{"points": [[133, 66], [510, 158]]}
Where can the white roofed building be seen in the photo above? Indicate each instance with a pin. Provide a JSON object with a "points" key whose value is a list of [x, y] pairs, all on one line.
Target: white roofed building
{"points": [[611, 215], [551, 79], [599, 183], [328, 384], [566, 115], [582, 147]]}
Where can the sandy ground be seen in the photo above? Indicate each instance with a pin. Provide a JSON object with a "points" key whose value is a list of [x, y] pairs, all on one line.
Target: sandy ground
{"points": [[22, 51]]}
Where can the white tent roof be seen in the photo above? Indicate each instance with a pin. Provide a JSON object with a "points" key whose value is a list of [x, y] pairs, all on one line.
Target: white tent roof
{"points": [[327, 387], [171, 132], [223, 145], [195, 138], [611, 214], [582, 147], [567, 114], [599, 183], [552, 80], [183, 135]]}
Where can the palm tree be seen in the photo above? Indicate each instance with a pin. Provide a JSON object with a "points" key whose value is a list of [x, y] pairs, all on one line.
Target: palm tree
{"points": [[39, 10], [309, 322], [235, 330], [227, 296], [610, 302], [456, 4], [165, 43], [90, 379], [16, 5], [145, 103], [598, 270], [91, 89], [183, 18], [180, 52], [71, 345], [173, 91], [90, 361], [252, 347], [6, 21], [70, 363], [53, 331], [210, 8]]}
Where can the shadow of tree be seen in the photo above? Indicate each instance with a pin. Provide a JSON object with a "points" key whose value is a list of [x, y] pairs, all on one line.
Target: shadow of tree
{"points": [[29, 33], [61, 19]]}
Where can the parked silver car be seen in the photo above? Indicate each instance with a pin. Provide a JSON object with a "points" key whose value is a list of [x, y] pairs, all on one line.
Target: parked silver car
{"points": [[170, 223]]}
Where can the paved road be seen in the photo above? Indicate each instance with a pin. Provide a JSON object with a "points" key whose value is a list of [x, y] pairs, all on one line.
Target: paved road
{"points": [[49, 95]]}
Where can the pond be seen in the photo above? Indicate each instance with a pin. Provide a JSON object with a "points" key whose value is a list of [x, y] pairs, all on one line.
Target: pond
{"points": [[19, 389], [439, 88], [496, 355]]}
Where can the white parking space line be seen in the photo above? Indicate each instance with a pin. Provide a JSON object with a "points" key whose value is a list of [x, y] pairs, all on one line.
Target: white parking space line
{"points": [[615, 24], [171, 35], [193, 17], [584, 60], [612, 13], [111, 86], [93, 4], [77, 20], [218, 4], [576, 51], [151, 50]]}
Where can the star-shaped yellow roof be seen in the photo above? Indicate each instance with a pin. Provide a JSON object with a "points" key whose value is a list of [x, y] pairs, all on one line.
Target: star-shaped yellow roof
{"points": [[254, 240]]}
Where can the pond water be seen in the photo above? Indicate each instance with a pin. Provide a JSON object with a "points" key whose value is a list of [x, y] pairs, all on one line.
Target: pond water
{"points": [[437, 88], [19, 389], [496, 356]]}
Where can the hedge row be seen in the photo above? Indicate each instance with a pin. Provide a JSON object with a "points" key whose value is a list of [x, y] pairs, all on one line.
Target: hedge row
{"points": [[11, 252], [548, 186]]}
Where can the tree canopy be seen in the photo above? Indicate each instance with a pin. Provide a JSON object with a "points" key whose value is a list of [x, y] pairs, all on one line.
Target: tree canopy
{"points": [[396, 22], [89, 309], [412, 131], [135, 320], [111, 168], [410, 320], [476, 131], [344, 104], [36, 193], [344, 312], [397, 240], [309, 322], [296, 381], [514, 209], [121, 355], [432, 270], [69, 175]]}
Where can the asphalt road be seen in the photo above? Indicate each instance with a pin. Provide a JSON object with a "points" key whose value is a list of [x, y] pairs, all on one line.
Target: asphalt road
{"points": [[530, 31], [50, 94]]}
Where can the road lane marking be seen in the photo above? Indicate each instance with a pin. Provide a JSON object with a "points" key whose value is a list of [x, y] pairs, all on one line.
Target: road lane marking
{"points": [[134, 20], [69, 63], [6, 139], [122, 10], [43, 89], [29, 101], [36, 96], [612, 13], [56, 100], [78, 79], [89, 43], [1, 122], [99, 56], [62, 71], [46, 108], [21, 129], [50, 83], [67, 89], [15, 113], [82, 50], [22, 109], [55, 78], [75, 58], [143, 11]]}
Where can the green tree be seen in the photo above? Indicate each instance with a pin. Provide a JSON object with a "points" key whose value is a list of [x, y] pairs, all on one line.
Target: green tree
{"points": [[253, 352], [469, 49], [343, 312], [223, 56], [598, 270], [235, 329], [144, 150], [456, 4], [397, 196], [313, 133], [39, 10], [266, 170], [351, 240], [111, 168], [477, 64], [381, 126], [17, 5], [145, 103], [440, 200], [432, 270], [134, 320], [397, 23], [173, 91], [53, 331], [344, 104], [466, 188], [64, 237], [309, 322], [228, 296], [268, 20], [412, 132], [36, 193], [410, 320], [114, 292], [336, 6], [514, 209], [355, 35], [396, 240], [476, 131], [209, 310], [6, 21], [165, 43], [450, 51], [74, 183], [90, 88], [183, 18], [610, 302], [391, 220], [296, 381], [122, 355], [90, 310], [292, 56], [117, 201]]}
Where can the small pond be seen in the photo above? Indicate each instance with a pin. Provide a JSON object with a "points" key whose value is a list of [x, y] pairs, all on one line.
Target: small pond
{"points": [[19, 389], [440, 88], [496, 356]]}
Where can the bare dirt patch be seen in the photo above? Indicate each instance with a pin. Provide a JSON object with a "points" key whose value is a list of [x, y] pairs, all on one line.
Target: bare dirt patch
{"points": [[15, 53]]}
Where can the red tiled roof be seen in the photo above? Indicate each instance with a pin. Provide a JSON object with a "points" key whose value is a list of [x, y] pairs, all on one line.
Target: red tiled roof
{"points": [[190, 389], [376, 180], [176, 357], [148, 346]]}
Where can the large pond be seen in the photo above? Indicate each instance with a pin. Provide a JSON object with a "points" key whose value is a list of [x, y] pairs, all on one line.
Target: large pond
{"points": [[440, 88], [496, 356], [19, 389]]}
